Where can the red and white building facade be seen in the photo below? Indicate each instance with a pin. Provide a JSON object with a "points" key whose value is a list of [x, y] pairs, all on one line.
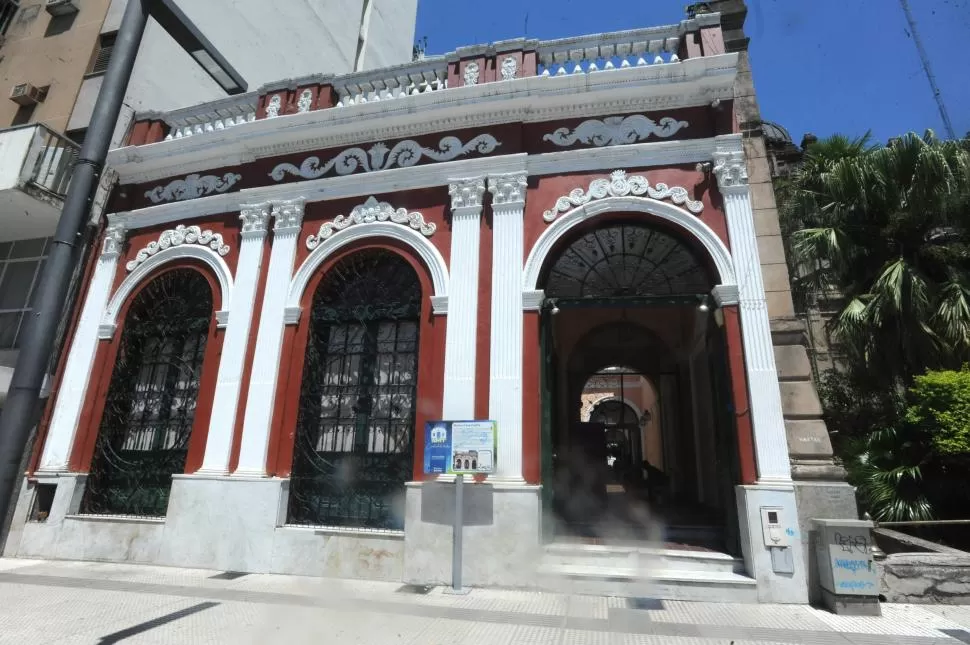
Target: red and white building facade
{"points": [[459, 180]]}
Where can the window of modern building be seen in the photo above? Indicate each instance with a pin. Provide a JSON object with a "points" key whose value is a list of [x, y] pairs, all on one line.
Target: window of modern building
{"points": [[106, 44], [8, 9], [20, 267]]}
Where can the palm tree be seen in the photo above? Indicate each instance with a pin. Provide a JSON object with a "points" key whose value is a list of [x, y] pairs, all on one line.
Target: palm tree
{"points": [[888, 227]]}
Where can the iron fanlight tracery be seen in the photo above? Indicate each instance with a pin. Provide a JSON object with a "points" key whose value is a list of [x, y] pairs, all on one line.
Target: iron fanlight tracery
{"points": [[626, 260], [355, 431], [150, 407]]}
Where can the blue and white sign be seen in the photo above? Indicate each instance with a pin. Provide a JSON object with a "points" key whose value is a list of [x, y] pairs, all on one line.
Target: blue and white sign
{"points": [[459, 447]]}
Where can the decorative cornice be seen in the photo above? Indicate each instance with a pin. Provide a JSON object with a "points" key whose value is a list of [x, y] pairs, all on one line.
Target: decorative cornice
{"points": [[466, 193], [638, 89], [586, 160], [508, 190], [370, 212], [192, 187], [288, 216], [255, 218], [379, 157], [176, 237], [619, 185], [114, 240], [616, 131], [730, 169]]}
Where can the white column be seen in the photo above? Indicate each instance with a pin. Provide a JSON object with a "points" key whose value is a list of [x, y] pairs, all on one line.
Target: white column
{"points": [[77, 371], [771, 445], [236, 342], [505, 366], [460, 341], [269, 340]]}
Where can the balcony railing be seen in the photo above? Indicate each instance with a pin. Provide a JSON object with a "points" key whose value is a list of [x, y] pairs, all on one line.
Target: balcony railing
{"points": [[35, 157], [211, 117], [54, 164], [595, 53]]}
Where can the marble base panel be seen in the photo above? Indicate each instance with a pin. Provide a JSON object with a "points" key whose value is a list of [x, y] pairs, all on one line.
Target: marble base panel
{"points": [[773, 586], [501, 538], [220, 523]]}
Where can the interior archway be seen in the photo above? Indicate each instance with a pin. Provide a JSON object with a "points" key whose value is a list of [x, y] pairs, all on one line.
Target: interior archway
{"points": [[635, 400]]}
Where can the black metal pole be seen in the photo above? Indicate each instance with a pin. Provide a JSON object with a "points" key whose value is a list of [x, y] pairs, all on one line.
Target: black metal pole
{"points": [[20, 410]]}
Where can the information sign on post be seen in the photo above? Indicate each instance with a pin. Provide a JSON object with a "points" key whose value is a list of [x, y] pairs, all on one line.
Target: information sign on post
{"points": [[459, 448]]}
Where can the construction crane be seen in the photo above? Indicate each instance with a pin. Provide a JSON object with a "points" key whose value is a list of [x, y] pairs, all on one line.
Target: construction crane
{"points": [[925, 60]]}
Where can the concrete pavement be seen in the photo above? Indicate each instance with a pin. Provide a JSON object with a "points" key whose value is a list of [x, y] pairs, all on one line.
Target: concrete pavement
{"points": [[86, 603]]}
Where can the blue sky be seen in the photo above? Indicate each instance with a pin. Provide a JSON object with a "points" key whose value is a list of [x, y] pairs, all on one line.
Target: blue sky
{"points": [[822, 66]]}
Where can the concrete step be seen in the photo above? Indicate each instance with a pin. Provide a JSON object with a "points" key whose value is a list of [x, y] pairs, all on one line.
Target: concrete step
{"points": [[663, 584], [609, 557]]}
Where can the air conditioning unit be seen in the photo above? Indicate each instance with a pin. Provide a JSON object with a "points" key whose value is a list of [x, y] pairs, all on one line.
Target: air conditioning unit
{"points": [[26, 94], [61, 7]]}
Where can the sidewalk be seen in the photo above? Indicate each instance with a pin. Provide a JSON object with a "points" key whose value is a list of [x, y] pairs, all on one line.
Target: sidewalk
{"points": [[86, 603]]}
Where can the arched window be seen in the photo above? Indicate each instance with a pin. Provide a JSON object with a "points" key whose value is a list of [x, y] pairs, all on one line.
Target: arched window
{"points": [[355, 430], [150, 407], [626, 260]]}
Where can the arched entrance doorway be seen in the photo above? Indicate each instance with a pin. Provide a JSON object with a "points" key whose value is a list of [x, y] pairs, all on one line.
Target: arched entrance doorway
{"points": [[639, 440]]}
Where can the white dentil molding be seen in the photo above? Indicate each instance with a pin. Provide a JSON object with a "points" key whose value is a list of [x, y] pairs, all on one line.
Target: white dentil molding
{"points": [[616, 130], [619, 185], [371, 212], [258, 415], [636, 89]]}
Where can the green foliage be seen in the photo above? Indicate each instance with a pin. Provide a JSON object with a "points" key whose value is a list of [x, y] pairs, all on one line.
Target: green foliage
{"points": [[887, 227], [940, 406], [887, 468]]}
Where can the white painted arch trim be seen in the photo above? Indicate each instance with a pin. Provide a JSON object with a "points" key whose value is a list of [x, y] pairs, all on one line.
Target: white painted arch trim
{"points": [[427, 251], [109, 322], [681, 218]]}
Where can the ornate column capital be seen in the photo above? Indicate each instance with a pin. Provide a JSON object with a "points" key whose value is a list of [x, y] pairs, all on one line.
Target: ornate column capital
{"points": [[466, 193], [255, 219], [730, 170], [288, 216], [508, 190], [114, 239]]}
